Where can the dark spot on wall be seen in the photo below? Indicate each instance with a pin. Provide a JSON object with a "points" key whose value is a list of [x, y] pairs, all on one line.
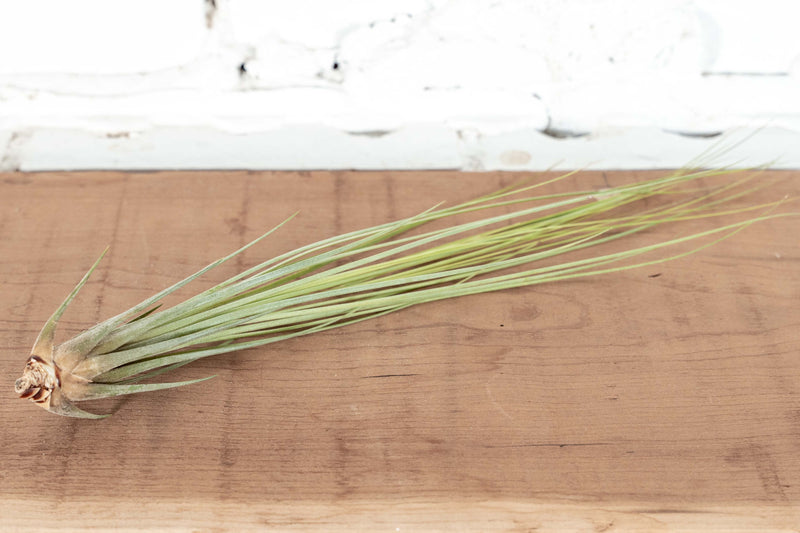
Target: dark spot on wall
{"points": [[211, 12], [11, 157], [559, 133], [370, 133], [696, 134]]}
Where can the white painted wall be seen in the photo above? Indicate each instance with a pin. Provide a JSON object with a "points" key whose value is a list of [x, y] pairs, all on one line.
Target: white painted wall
{"points": [[471, 84]]}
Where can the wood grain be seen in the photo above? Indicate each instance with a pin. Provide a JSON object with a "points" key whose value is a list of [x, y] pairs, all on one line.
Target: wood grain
{"points": [[662, 398]]}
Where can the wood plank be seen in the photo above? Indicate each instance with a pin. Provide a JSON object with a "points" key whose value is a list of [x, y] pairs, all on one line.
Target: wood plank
{"points": [[659, 398]]}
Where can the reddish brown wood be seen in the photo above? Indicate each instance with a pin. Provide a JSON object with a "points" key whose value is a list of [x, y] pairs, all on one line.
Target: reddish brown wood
{"points": [[663, 397]]}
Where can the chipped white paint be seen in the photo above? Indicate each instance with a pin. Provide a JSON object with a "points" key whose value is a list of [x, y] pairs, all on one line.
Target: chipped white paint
{"points": [[471, 84]]}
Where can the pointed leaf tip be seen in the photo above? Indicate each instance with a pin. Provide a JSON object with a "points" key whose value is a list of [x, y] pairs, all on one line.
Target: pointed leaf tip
{"points": [[43, 347]]}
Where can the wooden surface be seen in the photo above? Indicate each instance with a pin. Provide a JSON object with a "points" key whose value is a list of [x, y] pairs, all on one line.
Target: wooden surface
{"points": [[663, 398]]}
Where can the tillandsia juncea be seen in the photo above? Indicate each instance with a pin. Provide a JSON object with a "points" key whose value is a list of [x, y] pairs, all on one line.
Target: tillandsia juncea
{"points": [[518, 240]]}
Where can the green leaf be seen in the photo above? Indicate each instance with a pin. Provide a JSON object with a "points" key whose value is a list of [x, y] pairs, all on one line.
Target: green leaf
{"points": [[97, 391]]}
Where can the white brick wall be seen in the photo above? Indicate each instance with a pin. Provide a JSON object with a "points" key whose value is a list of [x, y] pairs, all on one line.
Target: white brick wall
{"points": [[472, 84]]}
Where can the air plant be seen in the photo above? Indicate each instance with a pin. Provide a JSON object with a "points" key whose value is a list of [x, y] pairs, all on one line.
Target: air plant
{"points": [[368, 273]]}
